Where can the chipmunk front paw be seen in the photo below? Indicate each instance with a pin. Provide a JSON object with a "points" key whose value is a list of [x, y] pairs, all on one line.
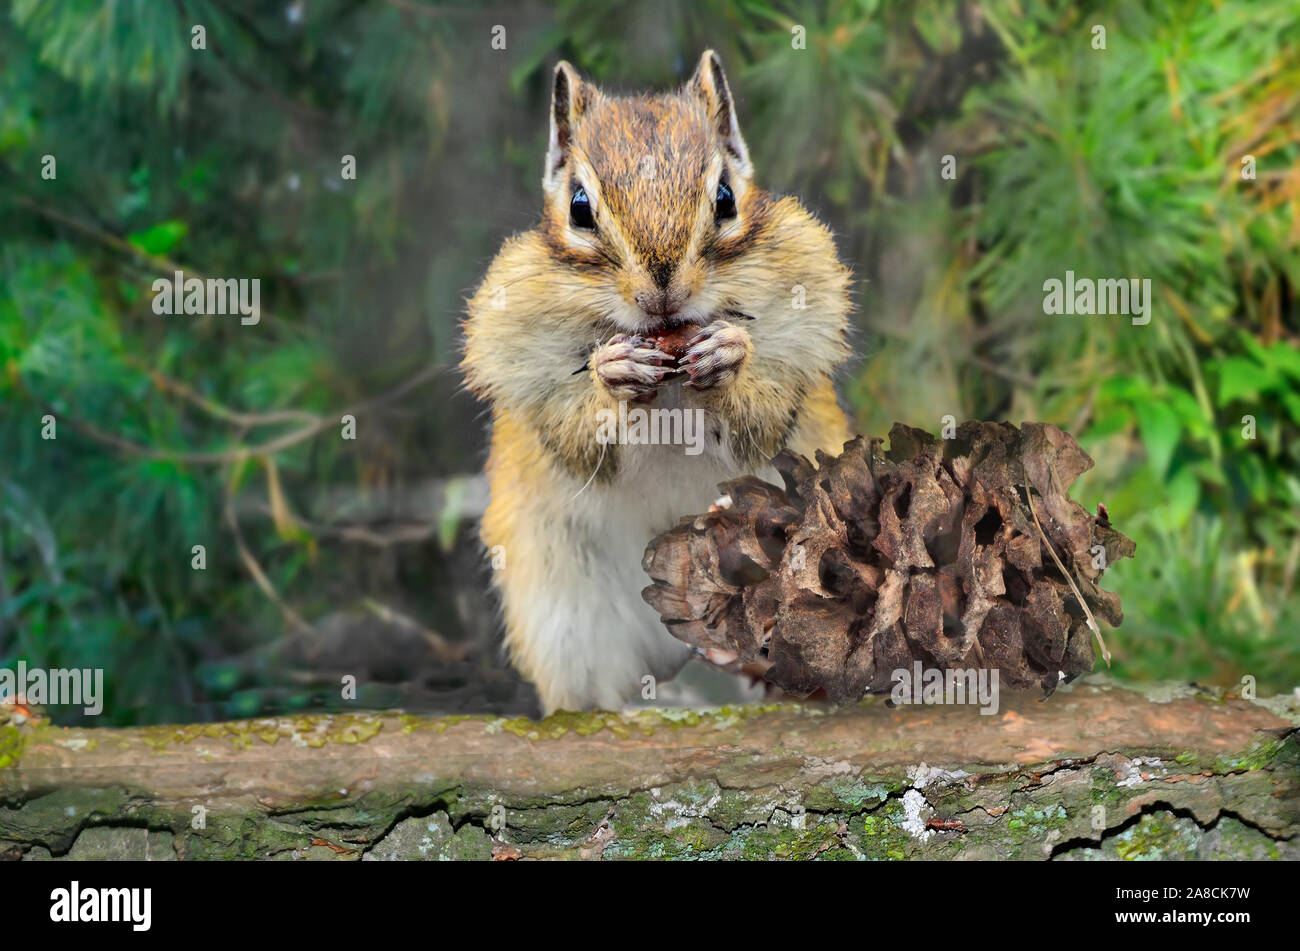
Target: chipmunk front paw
{"points": [[715, 355], [630, 368]]}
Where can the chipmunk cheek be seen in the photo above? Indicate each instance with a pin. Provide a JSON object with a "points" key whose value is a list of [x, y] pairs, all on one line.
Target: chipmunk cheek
{"points": [[690, 277], [626, 285]]}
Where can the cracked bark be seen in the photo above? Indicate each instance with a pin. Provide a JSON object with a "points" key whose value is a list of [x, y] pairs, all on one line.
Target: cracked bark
{"points": [[1100, 770]]}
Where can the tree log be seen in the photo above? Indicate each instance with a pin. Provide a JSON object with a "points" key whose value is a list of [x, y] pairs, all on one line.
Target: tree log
{"points": [[1100, 770]]}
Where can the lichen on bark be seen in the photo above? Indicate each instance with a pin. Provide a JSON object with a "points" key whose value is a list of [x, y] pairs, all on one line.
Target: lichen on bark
{"points": [[1101, 771]]}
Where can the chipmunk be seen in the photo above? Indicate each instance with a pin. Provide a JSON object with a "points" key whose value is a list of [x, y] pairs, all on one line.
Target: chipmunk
{"points": [[652, 226]]}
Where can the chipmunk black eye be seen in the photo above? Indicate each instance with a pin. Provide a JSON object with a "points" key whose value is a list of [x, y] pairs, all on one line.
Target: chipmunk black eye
{"points": [[580, 210], [724, 205]]}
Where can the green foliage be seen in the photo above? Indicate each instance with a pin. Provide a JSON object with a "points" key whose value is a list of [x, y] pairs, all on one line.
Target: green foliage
{"points": [[225, 162]]}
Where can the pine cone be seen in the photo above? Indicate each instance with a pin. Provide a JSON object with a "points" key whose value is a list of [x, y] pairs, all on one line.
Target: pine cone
{"points": [[930, 551]]}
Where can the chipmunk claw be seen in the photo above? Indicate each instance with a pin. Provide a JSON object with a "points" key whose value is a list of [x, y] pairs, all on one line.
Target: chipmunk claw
{"points": [[630, 367], [715, 355]]}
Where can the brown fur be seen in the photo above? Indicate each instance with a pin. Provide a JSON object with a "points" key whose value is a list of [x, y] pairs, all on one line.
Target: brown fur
{"points": [[555, 294]]}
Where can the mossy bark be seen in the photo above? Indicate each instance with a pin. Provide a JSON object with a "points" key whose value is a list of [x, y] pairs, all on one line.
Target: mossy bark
{"points": [[1100, 770]]}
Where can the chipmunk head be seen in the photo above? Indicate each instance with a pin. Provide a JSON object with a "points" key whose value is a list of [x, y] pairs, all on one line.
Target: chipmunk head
{"points": [[650, 196]]}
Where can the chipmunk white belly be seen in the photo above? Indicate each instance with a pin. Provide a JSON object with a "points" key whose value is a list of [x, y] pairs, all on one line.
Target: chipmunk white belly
{"points": [[592, 635]]}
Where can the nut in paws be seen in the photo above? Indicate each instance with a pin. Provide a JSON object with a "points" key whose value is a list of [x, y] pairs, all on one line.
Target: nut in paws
{"points": [[630, 367]]}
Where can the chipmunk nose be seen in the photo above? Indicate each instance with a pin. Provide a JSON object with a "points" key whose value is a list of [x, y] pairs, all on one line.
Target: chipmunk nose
{"points": [[665, 293], [661, 304]]}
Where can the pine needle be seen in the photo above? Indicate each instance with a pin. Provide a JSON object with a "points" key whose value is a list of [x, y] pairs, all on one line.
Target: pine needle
{"points": [[1092, 622]]}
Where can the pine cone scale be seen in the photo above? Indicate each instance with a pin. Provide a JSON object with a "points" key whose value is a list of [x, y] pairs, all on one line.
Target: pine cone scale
{"points": [[938, 551]]}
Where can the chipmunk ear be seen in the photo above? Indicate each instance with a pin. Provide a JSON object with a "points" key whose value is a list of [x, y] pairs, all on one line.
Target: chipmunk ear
{"points": [[569, 99], [710, 84]]}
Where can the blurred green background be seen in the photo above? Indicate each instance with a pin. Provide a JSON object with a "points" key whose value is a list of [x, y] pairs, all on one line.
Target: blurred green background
{"points": [[327, 556]]}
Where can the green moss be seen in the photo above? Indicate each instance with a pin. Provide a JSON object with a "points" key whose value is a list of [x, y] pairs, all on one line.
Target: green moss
{"points": [[560, 824], [412, 724], [1259, 756], [1104, 790], [880, 834], [12, 741], [636, 722], [847, 794], [1158, 837], [433, 839], [1233, 840], [732, 808], [160, 737], [1036, 822], [700, 820], [699, 838], [55, 818], [309, 730], [817, 837], [558, 724]]}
